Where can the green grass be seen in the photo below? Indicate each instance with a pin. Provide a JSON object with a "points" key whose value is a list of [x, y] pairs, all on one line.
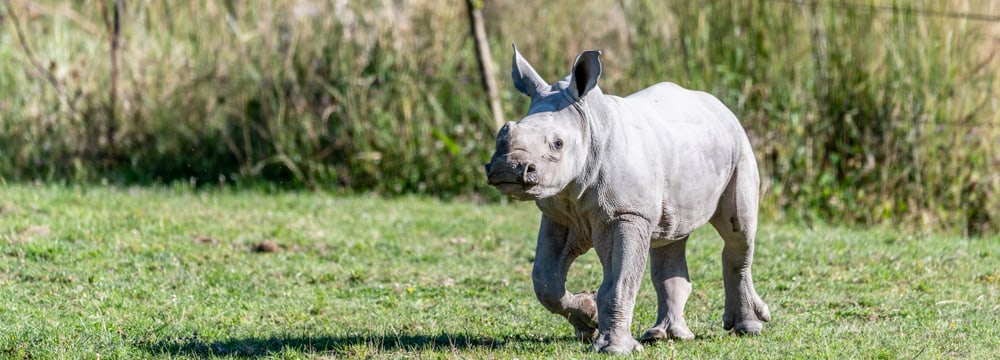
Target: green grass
{"points": [[88, 272]]}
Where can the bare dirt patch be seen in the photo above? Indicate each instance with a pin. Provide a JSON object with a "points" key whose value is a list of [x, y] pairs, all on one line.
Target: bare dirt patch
{"points": [[266, 246]]}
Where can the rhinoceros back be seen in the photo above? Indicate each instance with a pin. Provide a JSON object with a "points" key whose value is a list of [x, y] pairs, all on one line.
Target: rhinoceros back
{"points": [[697, 142]]}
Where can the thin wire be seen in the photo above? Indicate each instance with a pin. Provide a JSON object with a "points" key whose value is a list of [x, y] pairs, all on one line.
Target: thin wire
{"points": [[897, 9]]}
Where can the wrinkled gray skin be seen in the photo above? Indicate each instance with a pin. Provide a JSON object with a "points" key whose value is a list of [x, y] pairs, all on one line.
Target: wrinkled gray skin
{"points": [[632, 178]]}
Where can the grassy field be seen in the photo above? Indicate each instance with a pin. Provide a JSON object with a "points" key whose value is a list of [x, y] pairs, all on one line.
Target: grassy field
{"points": [[105, 272]]}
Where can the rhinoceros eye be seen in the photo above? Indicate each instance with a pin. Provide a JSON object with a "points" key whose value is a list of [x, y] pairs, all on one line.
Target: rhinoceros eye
{"points": [[558, 144]]}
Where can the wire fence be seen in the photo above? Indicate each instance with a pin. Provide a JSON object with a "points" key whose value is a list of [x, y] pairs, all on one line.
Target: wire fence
{"points": [[905, 10], [913, 11]]}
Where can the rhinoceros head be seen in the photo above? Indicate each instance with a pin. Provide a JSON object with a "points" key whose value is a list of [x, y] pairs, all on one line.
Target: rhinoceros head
{"points": [[540, 155]]}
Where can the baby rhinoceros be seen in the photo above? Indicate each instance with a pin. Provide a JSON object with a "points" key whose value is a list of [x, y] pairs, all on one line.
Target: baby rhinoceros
{"points": [[630, 177]]}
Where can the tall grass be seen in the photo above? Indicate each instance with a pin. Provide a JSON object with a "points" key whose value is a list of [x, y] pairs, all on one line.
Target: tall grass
{"points": [[302, 92], [858, 114]]}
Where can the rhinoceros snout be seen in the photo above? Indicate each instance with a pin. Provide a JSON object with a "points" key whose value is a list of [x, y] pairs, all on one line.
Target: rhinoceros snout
{"points": [[524, 174]]}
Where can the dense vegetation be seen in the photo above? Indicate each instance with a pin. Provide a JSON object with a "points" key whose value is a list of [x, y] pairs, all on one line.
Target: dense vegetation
{"points": [[862, 112]]}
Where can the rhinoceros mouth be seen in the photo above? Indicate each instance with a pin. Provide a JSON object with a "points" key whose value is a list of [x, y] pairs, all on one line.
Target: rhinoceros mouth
{"points": [[515, 190], [506, 183], [509, 186]]}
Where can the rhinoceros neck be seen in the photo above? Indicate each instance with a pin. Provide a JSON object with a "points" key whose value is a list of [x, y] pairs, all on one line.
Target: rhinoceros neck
{"points": [[596, 110]]}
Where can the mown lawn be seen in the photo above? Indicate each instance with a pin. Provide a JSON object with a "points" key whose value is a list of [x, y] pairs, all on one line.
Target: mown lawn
{"points": [[105, 272]]}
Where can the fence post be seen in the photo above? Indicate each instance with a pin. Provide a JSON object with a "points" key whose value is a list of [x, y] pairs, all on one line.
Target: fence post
{"points": [[486, 67]]}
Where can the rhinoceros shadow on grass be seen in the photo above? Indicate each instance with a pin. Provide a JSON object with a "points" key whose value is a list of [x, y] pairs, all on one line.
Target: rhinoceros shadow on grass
{"points": [[631, 178], [344, 346]]}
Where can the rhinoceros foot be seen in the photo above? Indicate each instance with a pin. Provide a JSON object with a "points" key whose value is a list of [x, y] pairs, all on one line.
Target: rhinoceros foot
{"points": [[583, 317], [752, 320], [616, 345], [676, 332]]}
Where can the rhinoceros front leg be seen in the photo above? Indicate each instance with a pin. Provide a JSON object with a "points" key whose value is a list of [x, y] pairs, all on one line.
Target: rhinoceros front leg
{"points": [[555, 252], [622, 249], [668, 266], [736, 221]]}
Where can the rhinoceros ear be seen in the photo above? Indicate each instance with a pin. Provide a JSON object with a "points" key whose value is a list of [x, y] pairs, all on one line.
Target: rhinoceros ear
{"points": [[586, 71], [526, 79]]}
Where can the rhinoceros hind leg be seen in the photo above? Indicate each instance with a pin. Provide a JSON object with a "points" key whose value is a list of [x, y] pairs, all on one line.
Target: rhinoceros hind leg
{"points": [[736, 221]]}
